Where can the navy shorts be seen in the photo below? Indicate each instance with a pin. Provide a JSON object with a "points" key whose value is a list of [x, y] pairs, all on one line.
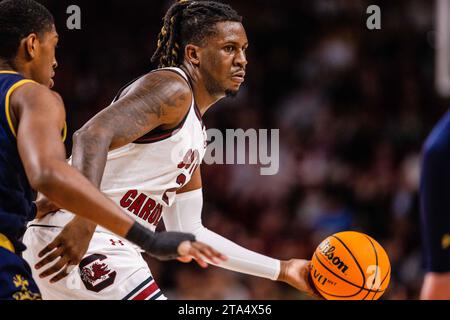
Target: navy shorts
{"points": [[16, 282]]}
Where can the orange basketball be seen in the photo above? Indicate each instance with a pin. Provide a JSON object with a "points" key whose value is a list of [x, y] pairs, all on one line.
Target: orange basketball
{"points": [[350, 266]]}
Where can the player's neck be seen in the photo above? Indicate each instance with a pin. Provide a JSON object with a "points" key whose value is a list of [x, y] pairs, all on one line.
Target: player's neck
{"points": [[15, 66], [5, 66], [203, 98]]}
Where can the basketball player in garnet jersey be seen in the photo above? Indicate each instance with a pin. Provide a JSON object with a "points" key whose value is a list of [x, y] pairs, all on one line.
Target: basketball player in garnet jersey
{"points": [[144, 151]]}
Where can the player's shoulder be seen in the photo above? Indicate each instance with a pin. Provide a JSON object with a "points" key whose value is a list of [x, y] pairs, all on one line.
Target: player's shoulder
{"points": [[33, 90], [165, 86], [167, 78], [33, 95]]}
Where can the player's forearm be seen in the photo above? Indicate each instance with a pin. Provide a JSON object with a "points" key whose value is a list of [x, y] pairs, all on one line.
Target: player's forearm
{"points": [[66, 187], [89, 154], [240, 259], [185, 215]]}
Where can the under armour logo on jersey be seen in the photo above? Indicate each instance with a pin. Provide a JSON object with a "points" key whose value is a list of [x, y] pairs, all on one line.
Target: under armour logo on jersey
{"points": [[118, 242]]}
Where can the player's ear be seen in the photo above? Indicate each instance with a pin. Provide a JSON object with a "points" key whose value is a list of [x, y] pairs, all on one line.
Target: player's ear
{"points": [[191, 54], [30, 45]]}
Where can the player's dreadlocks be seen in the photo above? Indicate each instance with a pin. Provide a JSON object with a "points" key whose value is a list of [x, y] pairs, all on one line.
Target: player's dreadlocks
{"points": [[189, 22]]}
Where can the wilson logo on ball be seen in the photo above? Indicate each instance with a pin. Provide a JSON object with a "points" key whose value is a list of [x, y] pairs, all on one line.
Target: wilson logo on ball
{"points": [[328, 251], [350, 265]]}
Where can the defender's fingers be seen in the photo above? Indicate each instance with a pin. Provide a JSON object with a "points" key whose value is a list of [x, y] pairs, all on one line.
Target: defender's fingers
{"points": [[199, 258], [55, 268], [49, 258], [63, 273], [211, 254], [185, 259], [50, 247]]}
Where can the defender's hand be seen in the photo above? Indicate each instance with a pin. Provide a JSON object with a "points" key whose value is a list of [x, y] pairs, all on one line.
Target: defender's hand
{"points": [[200, 252], [44, 206], [296, 272], [70, 246]]}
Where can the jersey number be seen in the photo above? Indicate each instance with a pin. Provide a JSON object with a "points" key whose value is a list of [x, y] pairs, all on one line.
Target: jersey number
{"points": [[190, 162]]}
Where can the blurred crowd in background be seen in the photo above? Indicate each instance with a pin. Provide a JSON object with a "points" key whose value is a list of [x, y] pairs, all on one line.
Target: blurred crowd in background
{"points": [[353, 107]]}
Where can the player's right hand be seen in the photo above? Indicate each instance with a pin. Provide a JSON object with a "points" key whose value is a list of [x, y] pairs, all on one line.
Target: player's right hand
{"points": [[200, 252], [69, 246], [297, 273]]}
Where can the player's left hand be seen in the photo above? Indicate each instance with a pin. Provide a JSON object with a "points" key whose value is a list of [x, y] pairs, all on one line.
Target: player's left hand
{"points": [[185, 259], [200, 252], [70, 246], [297, 273]]}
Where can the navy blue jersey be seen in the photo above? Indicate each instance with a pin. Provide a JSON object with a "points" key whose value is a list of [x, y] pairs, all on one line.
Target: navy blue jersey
{"points": [[16, 194], [435, 198], [16, 282]]}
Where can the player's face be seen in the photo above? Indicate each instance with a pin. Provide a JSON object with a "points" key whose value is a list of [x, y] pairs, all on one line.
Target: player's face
{"points": [[223, 59], [44, 64]]}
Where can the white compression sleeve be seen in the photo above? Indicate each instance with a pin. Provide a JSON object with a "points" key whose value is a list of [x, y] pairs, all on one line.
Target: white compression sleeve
{"points": [[185, 215]]}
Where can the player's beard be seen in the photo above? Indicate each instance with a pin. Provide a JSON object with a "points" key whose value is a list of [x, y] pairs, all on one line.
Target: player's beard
{"points": [[214, 88], [231, 93]]}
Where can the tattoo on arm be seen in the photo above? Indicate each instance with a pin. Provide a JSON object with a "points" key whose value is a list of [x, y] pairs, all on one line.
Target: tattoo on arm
{"points": [[159, 98]]}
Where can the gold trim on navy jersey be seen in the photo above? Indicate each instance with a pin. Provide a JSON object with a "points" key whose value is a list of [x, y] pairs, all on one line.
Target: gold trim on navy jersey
{"points": [[64, 132], [8, 72], [5, 243], [8, 95]]}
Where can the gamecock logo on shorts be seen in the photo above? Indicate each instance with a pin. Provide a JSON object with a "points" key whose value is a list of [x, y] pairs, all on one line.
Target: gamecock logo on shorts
{"points": [[96, 275]]}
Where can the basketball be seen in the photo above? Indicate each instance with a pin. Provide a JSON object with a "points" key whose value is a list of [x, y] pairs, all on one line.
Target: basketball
{"points": [[350, 266]]}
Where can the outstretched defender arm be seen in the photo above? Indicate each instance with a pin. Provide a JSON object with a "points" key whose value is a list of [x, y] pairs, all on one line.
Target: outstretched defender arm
{"points": [[185, 215], [39, 116]]}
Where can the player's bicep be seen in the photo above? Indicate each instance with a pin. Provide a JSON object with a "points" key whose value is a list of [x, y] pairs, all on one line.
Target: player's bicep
{"points": [[41, 119], [156, 99]]}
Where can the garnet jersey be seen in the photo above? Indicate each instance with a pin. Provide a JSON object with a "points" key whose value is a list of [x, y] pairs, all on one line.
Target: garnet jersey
{"points": [[142, 177]]}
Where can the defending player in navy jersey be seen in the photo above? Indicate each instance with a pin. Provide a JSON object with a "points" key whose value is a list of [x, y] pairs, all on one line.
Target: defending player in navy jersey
{"points": [[144, 152], [435, 212], [32, 154]]}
